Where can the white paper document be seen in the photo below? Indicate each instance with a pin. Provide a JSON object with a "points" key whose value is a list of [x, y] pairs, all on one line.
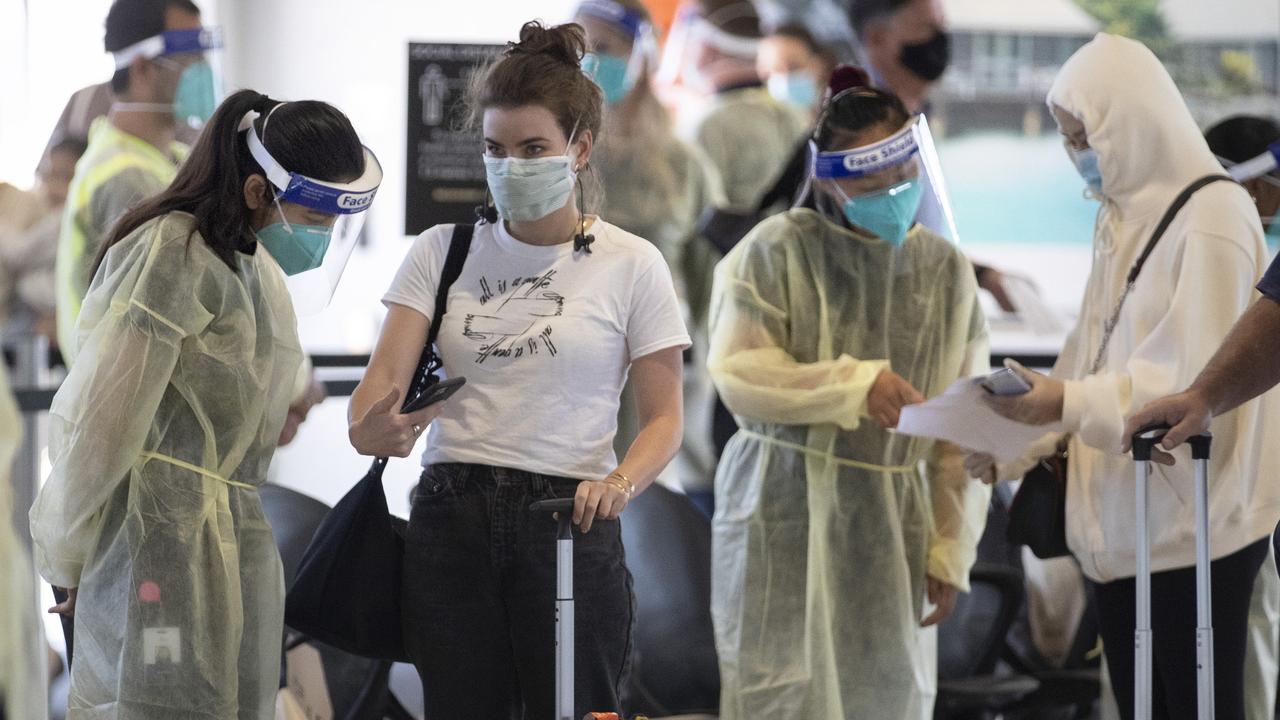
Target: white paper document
{"points": [[961, 416]]}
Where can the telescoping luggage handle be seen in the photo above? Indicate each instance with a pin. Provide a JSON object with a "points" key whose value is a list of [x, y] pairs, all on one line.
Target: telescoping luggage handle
{"points": [[564, 602], [1144, 441]]}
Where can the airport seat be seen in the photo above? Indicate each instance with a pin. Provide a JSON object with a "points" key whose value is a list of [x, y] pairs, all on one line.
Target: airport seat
{"points": [[970, 644], [358, 687], [1065, 692], [668, 546]]}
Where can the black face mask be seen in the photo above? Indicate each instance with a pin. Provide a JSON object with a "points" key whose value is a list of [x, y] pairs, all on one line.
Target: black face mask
{"points": [[927, 60]]}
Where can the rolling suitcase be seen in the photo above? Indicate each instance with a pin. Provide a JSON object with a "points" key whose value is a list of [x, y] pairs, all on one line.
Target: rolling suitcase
{"points": [[564, 603], [1143, 442]]}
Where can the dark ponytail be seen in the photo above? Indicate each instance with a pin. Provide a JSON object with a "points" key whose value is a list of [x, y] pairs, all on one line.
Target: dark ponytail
{"points": [[307, 137], [853, 106]]}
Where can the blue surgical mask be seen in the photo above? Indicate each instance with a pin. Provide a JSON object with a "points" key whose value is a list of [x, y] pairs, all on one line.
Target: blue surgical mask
{"points": [[888, 214], [610, 73], [528, 189], [296, 248], [794, 88], [1086, 162]]}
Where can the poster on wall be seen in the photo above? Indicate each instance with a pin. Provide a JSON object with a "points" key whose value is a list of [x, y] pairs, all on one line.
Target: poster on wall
{"points": [[444, 180]]}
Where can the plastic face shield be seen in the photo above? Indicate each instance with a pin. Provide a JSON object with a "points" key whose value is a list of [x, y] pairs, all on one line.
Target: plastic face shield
{"points": [[908, 153], [313, 289], [187, 52], [690, 32], [644, 44], [1263, 166]]}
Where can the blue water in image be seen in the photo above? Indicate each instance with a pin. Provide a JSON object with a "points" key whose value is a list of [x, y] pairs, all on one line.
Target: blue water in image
{"points": [[1009, 188]]}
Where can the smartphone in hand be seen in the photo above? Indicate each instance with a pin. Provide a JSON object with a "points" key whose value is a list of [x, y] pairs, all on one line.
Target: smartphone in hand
{"points": [[439, 392], [1005, 382]]}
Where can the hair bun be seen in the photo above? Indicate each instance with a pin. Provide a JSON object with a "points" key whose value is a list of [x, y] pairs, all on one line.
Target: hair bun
{"points": [[847, 77], [566, 43]]}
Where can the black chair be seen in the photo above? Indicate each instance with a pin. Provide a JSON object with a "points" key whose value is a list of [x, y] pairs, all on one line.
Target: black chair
{"points": [[358, 687], [668, 545], [1068, 691], [970, 644]]}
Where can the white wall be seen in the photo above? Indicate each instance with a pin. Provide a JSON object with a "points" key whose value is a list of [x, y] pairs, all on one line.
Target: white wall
{"points": [[355, 55]]}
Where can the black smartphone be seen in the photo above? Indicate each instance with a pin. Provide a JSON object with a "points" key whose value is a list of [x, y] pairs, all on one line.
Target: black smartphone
{"points": [[439, 392]]}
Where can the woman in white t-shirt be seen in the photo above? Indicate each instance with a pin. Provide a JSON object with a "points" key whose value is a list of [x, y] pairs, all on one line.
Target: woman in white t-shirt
{"points": [[552, 310]]}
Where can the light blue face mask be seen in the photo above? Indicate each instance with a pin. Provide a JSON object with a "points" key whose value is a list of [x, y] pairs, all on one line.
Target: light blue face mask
{"points": [[794, 88], [296, 248], [196, 96], [888, 214], [610, 73], [1086, 162], [528, 189]]}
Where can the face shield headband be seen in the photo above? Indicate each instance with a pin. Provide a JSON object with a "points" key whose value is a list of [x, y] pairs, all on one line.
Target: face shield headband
{"points": [[1261, 166], [333, 198], [895, 150], [170, 42], [628, 21]]}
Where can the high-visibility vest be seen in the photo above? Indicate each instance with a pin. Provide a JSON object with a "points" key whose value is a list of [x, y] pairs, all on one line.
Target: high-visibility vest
{"points": [[111, 152]]}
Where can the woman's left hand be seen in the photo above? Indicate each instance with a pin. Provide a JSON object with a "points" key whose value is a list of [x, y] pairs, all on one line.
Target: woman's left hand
{"points": [[597, 500], [1041, 405], [943, 596]]}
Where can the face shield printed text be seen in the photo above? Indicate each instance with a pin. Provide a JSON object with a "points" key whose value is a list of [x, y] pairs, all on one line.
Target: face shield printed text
{"points": [[865, 161]]}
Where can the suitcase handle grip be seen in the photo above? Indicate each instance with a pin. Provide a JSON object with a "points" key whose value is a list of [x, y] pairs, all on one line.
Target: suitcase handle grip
{"points": [[554, 505], [1148, 435]]}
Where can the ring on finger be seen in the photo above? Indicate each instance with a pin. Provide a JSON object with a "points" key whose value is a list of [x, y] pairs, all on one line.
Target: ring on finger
{"points": [[417, 429]]}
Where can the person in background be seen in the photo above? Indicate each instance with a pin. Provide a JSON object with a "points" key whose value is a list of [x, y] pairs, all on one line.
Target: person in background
{"points": [[553, 310], [27, 254], [746, 133], [166, 424], [905, 44], [830, 529], [655, 187], [132, 153], [1245, 137], [23, 689], [795, 67], [83, 107], [1121, 116]]}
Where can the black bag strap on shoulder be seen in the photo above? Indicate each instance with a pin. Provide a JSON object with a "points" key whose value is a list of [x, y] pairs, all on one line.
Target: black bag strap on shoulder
{"points": [[1109, 327], [428, 363], [1169, 217]]}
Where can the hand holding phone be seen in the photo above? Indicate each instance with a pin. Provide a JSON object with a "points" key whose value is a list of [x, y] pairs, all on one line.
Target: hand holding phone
{"points": [[437, 393], [1005, 382]]}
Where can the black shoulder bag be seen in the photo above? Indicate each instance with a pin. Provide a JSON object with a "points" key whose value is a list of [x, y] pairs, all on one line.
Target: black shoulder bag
{"points": [[347, 591], [1038, 513]]}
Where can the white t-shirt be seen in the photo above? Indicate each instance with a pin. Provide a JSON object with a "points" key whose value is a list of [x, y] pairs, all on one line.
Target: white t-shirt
{"points": [[544, 336]]}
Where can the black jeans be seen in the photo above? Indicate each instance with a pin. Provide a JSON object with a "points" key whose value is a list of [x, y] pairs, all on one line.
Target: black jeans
{"points": [[1173, 624], [480, 591]]}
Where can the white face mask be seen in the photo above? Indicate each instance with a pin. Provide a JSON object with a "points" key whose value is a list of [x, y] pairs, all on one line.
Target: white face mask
{"points": [[527, 189]]}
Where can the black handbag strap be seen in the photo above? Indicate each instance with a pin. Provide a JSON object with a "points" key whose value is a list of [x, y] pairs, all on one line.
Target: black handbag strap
{"points": [[1110, 325], [1169, 216], [429, 362]]}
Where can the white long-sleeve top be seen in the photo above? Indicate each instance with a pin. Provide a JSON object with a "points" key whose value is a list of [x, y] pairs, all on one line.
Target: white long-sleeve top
{"points": [[1195, 285]]}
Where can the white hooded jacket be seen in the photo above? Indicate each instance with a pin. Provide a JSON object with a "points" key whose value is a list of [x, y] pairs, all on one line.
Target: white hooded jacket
{"points": [[1195, 285]]}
